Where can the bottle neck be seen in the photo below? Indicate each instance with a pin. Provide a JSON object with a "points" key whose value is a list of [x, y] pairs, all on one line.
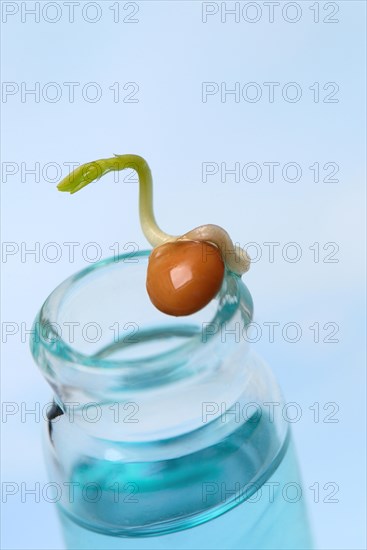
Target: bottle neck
{"points": [[122, 389]]}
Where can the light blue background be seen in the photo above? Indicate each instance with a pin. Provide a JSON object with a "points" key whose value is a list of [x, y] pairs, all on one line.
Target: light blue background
{"points": [[169, 53]]}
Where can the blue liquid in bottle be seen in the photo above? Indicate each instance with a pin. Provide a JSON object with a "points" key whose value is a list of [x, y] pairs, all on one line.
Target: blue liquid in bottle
{"points": [[206, 500]]}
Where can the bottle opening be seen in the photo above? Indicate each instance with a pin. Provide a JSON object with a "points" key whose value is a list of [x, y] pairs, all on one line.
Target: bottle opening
{"points": [[102, 316]]}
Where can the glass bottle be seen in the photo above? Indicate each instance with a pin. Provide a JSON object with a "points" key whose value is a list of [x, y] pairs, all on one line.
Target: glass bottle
{"points": [[163, 432]]}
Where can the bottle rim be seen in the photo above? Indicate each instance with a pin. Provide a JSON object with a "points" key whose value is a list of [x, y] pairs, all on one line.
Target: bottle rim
{"points": [[233, 299]]}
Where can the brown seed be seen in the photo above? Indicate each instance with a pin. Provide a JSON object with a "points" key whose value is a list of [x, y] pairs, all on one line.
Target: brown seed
{"points": [[183, 276]]}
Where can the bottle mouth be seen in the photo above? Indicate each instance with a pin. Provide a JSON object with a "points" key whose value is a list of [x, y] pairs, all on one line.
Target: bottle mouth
{"points": [[100, 320]]}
